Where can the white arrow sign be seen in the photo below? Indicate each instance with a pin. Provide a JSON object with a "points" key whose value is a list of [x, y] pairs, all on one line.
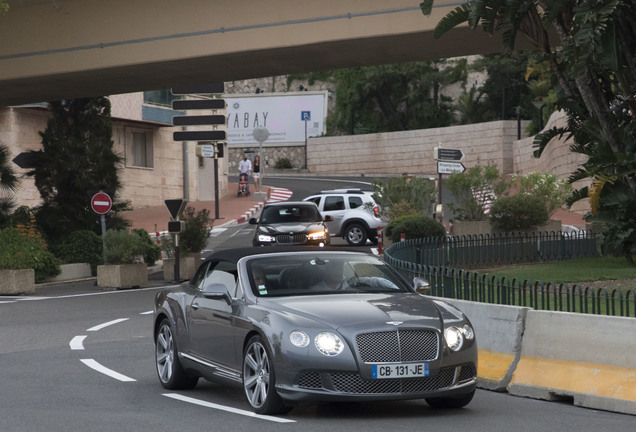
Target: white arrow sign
{"points": [[450, 167]]}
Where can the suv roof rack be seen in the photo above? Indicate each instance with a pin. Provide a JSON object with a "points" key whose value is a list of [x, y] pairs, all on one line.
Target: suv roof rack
{"points": [[351, 191]]}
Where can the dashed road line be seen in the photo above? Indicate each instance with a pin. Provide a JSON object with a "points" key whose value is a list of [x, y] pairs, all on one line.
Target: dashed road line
{"points": [[106, 324], [109, 372]]}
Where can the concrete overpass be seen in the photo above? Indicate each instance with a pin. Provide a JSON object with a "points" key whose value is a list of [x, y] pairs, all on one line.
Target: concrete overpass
{"points": [[55, 49]]}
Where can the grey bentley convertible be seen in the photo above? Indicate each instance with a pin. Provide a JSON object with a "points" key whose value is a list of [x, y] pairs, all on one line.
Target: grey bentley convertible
{"points": [[301, 326]]}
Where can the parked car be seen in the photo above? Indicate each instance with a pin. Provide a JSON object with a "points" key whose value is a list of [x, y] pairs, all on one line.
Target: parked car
{"points": [[290, 223], [355, 213], [294, 326]]}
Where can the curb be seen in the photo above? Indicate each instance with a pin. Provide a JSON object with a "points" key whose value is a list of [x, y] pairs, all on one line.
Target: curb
{"points": [[248, 214]]}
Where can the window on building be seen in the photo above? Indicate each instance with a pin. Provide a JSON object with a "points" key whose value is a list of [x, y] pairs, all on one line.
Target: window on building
{"points": [[139, 151]]}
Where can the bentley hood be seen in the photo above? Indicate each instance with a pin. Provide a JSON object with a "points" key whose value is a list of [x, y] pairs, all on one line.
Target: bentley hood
{"points": [[362, 310]]}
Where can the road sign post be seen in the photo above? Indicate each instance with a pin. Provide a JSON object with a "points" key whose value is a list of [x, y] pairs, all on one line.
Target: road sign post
{"points": [[101, 204], [175, 207], [305, 116]]}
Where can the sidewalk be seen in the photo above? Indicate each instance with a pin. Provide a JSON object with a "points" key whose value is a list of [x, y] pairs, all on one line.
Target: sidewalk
{"points": [[232, 210]]}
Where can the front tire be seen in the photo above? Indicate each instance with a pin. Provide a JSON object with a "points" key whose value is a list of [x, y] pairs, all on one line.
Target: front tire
{"points": [[171, 374], [259, 379], [356, 235], [451, 402]]}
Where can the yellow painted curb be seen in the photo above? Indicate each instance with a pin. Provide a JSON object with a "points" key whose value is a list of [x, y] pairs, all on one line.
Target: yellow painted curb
{"points": [[577, 377], [493, 366]]}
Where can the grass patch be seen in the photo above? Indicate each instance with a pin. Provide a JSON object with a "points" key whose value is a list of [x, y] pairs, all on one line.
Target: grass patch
{"points": [[579, 271]]}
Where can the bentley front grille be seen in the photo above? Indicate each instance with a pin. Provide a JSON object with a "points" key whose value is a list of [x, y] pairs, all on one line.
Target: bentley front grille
{"points": [[398, 346]]}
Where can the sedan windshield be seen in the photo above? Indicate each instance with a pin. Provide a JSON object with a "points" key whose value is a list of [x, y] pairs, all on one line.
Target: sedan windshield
{"points": [[296, 213], [309, 274]]}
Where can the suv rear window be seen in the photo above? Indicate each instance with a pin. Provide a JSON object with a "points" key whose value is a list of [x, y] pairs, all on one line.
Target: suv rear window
{"points": [[355, 202], [334, 203]]}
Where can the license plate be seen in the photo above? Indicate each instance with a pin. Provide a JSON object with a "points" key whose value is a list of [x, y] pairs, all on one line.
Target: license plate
{"points": [[411, 370]]}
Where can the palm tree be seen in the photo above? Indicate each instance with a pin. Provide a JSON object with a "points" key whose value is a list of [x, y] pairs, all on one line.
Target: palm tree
{"points": [[595, 66], [8, 184]]}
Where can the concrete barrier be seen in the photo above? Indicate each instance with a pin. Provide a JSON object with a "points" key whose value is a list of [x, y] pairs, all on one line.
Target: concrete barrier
{"points": [[498, 330], [588, 359]]}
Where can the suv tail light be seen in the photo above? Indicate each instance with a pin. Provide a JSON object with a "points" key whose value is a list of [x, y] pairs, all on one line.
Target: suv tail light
{"points": [[376, 211]]}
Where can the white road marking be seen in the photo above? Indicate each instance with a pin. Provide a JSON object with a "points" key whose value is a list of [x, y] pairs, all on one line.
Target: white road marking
{"points": [[147, 312], [77, 343], [109, 372], [226, 408], [106, 324]]}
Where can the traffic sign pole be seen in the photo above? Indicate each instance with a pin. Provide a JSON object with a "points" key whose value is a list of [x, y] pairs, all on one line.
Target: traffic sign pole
{"points": [[101, 204]]}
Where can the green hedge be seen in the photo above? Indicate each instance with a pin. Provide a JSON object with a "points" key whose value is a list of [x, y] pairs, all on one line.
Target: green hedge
{"points": [[81, 246], [414, 226], [19, 251], [519, 211]]}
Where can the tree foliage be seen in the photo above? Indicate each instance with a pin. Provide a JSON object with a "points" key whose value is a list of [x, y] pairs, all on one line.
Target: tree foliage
{"points": [[76, 161], [595, 69], [394, 97], [8, 184]]}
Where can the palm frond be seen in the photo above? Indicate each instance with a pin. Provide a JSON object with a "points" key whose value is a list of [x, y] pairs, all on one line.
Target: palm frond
{"points": [[454, 18]]}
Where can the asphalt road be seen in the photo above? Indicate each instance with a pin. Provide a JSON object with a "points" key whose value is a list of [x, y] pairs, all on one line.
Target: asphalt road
{"points": [[73, 358]]}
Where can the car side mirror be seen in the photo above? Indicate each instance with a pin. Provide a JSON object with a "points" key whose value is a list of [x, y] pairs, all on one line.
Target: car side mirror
{"points": [[328, 218], [421, 286], [253, 221], [216, 291]]}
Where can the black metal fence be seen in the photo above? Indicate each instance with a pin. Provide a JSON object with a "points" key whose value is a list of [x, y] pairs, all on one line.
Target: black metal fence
{"points": [[483, 251], [446, 281]]}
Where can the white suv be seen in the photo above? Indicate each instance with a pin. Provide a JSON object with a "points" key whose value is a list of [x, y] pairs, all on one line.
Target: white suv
{"points": [[356, 216]]}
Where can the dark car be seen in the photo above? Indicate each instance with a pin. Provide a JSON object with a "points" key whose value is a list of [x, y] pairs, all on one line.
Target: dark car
{"points": [[290, 223], [296, 326]]}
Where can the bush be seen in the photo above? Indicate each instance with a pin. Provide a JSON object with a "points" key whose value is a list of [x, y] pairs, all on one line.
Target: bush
{"points": [[122, 247], [464, 185], [519, 211], [283, 163], [81, 246], [194, 237], [19, 252], [152, 251], [414, 226], [400, 196]]}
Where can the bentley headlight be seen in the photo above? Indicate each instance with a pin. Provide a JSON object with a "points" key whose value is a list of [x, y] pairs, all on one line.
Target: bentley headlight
{"points": [[328, 344], [318, 235], [454, 338], [299, 338], [469, 333]]}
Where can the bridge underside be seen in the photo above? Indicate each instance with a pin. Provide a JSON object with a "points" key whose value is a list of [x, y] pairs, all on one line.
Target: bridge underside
{"points": [[111, 58]]}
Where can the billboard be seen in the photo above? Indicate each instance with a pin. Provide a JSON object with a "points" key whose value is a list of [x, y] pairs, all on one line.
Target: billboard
{"points": [[284, 115]]}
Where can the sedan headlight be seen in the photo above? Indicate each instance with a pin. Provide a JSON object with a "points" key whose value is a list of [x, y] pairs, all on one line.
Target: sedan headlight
{"points": [[299, 338], [468, 332], [265, 238], [328, 344], [318, 235]]}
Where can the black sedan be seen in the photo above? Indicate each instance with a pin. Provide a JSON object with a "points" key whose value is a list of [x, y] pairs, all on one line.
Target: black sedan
{"points": [[291, 223], [307, 325]]}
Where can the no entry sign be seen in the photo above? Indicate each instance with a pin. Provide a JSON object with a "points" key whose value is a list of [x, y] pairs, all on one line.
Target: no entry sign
{"points": [[101, 203]]}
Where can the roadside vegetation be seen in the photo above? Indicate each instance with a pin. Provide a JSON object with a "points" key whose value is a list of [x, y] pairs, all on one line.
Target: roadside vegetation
{"points": [[601, 272]]}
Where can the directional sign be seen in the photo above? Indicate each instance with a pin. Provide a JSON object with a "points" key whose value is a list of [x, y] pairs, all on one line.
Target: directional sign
{"points": [[101, 203], [450, 167], [175, 207], [199, 120], [448, 154], [206, 151], [208, 88], [215, 135], [26, 160], [195, 104]]}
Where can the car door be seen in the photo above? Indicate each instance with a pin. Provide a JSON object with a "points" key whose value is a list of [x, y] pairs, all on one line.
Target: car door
{"points": [[210, 319], [334, 205]]}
